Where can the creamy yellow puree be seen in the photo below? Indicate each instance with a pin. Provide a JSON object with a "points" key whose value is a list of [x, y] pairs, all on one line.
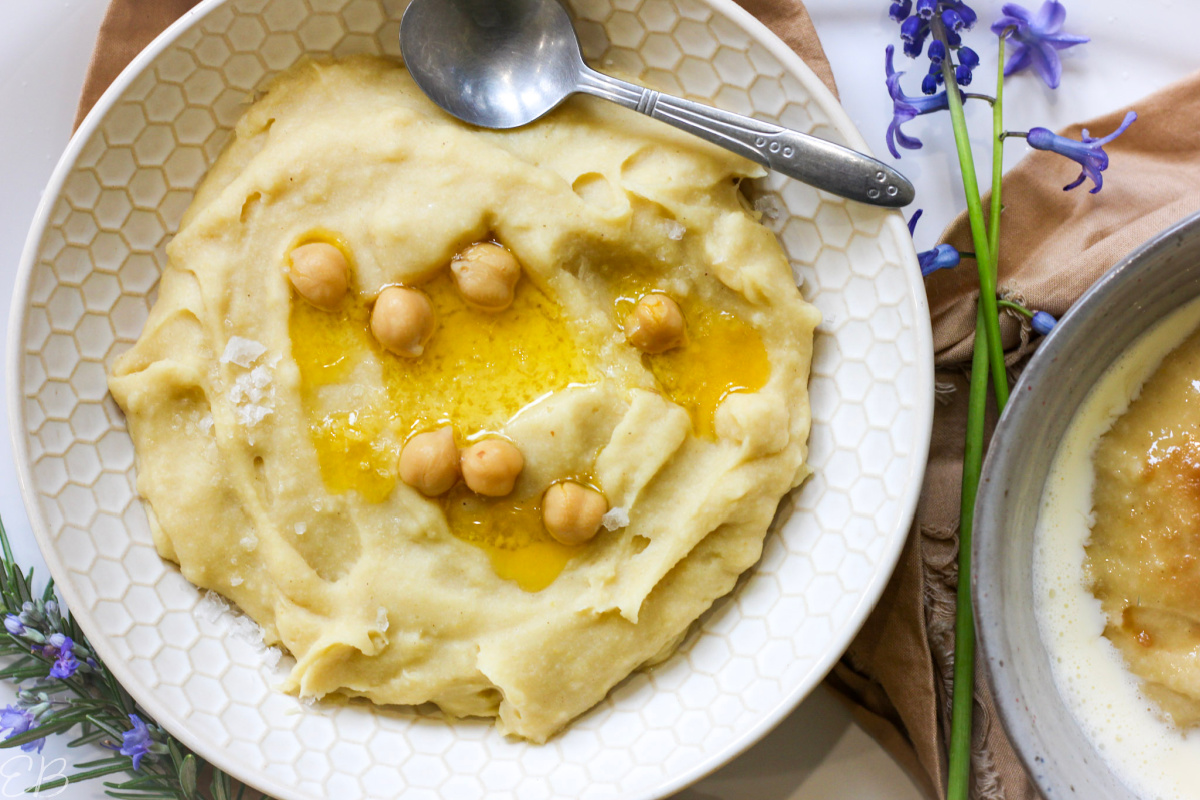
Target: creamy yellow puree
{"points": [[267, 430], [1143, 557]]}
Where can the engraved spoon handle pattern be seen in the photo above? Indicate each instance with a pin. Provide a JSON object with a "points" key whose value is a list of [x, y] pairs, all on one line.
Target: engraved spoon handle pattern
{"points": [[815, 161]]}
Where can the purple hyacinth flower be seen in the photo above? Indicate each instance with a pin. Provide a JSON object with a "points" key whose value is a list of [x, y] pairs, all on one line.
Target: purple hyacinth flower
{"points": [[1036, 39], [13, 625], [136, 741], [936, 52], [1043, 323], [913, 32], [15, 721], [941, 257], [905, 108], [1088, 153]]}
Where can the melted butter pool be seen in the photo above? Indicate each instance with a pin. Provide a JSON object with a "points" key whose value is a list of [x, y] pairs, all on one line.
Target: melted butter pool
{"points": [[723, 354], [478, 370]]}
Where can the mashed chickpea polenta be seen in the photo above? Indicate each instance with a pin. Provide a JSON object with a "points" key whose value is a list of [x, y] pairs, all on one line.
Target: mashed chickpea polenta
{"points": [[337, 385]]}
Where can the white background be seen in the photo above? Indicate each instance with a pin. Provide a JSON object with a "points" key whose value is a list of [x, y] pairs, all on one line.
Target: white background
{"points": [[818, 752]]}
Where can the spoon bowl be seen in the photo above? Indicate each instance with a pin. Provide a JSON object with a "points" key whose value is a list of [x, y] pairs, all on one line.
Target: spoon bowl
{"points": [[492, 64], [505, 63]]}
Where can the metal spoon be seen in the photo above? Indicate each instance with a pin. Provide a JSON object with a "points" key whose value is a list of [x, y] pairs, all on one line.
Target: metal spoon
{"points": [[504, 63]]}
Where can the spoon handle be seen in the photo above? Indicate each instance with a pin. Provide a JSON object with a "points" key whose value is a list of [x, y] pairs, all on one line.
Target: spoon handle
{"points": [[806, 158]]}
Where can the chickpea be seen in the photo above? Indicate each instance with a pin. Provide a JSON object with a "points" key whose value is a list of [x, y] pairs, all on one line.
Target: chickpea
{"points": [[402, 320], [491, 467], [429, 462], [320, 274], [655, 325], [572, 513], [486, 274]]}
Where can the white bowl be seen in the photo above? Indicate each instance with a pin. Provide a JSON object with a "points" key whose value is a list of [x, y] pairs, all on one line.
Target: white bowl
{"points": [[86, 285]]}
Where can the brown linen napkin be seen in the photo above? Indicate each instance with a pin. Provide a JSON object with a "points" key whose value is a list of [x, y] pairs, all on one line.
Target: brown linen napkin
{"points": [[130, 25]]}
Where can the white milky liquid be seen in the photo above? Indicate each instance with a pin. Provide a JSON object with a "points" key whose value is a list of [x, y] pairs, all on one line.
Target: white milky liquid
{"points": [[1150, 756]]}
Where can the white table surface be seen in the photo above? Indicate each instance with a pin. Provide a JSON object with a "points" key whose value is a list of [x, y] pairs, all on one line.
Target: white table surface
{"points": [[818, 752]]}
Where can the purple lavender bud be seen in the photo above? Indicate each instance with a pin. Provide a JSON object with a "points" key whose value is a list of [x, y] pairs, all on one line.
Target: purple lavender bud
{"points": [[65, 665], [1043, 323], [136, 741], [13, 625], [58, 640], [15, 721]]}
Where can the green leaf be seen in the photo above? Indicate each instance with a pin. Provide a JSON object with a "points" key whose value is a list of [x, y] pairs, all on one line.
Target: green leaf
{"points": [[187, 776], [219, 785], [105, 725], [49, 725], [79, 777], [176, 756], [89, 738], [119, 761]]}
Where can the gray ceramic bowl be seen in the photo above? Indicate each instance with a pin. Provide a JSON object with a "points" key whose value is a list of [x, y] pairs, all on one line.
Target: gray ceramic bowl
{"points": [[1145, 287]]}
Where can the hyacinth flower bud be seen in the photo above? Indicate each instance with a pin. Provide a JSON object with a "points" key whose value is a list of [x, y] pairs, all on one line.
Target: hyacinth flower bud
{"points": [[900, 11], [1043, 323]]}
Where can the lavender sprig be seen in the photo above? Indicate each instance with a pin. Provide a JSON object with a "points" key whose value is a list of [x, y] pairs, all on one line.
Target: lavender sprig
{"points": [[64, 688]]}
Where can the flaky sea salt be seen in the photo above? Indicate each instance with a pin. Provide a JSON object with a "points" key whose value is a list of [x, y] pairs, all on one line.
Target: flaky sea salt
{"points": [[242, 351], [381, 620], [271, 656], [615, 518], [301, 528], [674, 229], [252, 394], [765, 205], [236, 580], [212, 607], [249, 541], [206, 423]]}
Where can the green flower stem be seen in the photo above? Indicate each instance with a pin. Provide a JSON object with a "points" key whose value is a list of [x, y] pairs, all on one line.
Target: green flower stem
{"points": [[983, 250], [997, 156], [958, 785], [963, 702], [1020, 309]]}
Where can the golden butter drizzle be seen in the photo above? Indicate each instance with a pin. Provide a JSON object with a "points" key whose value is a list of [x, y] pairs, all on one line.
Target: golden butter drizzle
{"points": [[478, 370], [723, 354]]}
